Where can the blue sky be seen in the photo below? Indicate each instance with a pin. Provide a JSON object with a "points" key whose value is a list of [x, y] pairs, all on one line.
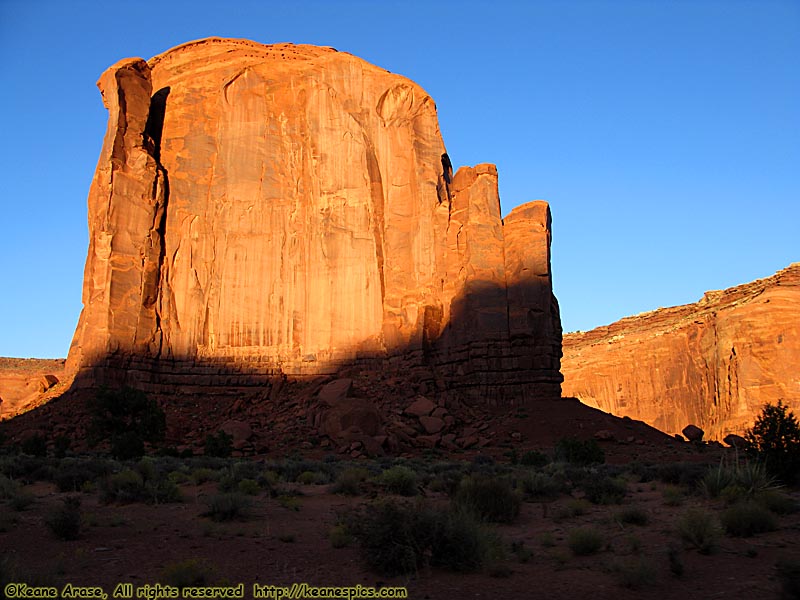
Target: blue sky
{"points": [[665, 134]]}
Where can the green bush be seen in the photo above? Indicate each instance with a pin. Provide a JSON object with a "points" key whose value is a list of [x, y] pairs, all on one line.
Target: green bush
{"points": [[636, 573], [65, 521], [21, 500], [573, 507], [534, 458], [219, 445], [579, 452], [747, 519], [602, 489], [187, 573], [340, 536], [228, 507], [348, 482], [491, 499], [584, 541], [699, 528], [398, 539], [673, 495], [541, 486], [125, 486], [775, 440], [777, 502], [249, 487], [399, 480]]}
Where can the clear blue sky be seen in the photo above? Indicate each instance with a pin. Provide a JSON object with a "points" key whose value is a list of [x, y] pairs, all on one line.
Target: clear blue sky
{"points": [[664, 134]]}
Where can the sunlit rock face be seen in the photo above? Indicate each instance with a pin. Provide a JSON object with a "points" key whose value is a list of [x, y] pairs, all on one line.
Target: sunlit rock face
{"points": [[291, 210], [713, 364]]}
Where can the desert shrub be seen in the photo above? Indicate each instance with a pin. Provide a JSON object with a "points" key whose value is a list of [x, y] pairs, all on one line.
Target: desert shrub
{"points": [[699, 528], [348, 482], [775, 440], [632, 515], [200, 475], [680, 473], [128, 418], [579, 452], [602, 489], [186, 573], [491, 499], [534, 458], [636, 573], [249, 487], [393, 537], [162, 490], [777, 502], [125, 486], [219, 444], [541, 486], [399, 480], [289, 502], [573, 507], [228, 507], [311, 478], [340, 536], [460, 542], [65, 521], [71, 476], [673, 495], [747, 519], [733, 482], [584, 541], [34, 445], [400, 538]]}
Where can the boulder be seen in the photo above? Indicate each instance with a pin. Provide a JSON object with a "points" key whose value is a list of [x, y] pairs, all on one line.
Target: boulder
{"points": [[693, 433]]}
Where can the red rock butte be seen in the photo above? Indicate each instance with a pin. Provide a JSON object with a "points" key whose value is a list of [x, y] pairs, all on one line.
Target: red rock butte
{"points": [[291, 211], [714, 363]]}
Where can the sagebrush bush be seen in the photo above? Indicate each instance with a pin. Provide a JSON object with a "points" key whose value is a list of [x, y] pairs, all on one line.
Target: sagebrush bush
{"points": [[602, 489], [348, 482], [228, 507], [398, 538], [579, 452], [636, 573], [399, 480], [541, 486], [492, 499], [700, 529], [534, 458], [747, 519], [574, 507], [585, 540], [186, 573], [65, 521]]}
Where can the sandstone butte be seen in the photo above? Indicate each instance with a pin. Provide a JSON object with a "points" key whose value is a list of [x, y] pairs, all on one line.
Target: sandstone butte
{"points": [[713, 364], [289, 211]]}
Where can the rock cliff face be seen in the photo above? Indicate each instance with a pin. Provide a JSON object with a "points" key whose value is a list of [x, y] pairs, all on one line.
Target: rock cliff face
{"points": [[25, 381], [260, 211], [713, 363]]}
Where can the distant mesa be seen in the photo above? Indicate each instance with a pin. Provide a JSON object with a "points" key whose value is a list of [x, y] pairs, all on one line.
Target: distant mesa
{"points": [[262, 212], [713, 364]]}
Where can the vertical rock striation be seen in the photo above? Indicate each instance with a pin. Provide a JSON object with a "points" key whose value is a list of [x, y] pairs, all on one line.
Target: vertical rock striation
{"points": [[291, 210]]}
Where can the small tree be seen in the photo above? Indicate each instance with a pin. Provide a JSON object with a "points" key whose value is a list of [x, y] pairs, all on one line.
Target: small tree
{"points": [[128, 418], [775, 439]]}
